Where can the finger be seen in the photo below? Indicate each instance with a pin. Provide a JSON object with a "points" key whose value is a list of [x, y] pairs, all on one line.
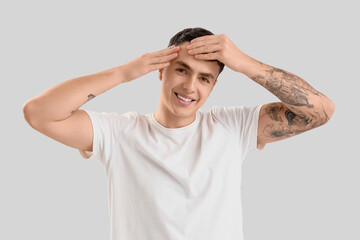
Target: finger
{"points": [[205, 49], [158, 66], [207, 38], [203, 43], [163, 59], [166, 51], [207, 56]]}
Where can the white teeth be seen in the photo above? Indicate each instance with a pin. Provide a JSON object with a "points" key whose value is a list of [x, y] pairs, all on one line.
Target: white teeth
{"points": [[184, 99]]}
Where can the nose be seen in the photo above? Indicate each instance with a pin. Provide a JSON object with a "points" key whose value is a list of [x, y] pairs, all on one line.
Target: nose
{"points": [[189, 85]]}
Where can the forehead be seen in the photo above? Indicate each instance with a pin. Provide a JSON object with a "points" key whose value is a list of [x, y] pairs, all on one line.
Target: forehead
{"points": [[196, 64]]}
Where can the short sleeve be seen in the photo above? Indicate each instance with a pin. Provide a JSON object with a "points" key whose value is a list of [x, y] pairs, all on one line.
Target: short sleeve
{"points": [[107, 128], [243, 121]]}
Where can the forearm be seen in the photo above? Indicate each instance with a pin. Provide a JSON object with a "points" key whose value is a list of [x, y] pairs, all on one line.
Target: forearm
{"points": [[301, 98], [62, 100]]}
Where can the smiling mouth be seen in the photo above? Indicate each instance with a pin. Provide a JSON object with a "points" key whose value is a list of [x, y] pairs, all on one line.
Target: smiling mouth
{"points": [[183, 98]]}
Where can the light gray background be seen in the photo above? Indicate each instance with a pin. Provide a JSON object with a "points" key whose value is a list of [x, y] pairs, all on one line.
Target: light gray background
{"points": [[306, 187]]}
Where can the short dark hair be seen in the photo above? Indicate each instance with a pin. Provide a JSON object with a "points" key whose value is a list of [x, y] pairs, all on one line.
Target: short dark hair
{"points": [[189, 34]]}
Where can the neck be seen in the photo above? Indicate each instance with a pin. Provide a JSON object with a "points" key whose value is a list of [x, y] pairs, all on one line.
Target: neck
{"points": [[169, 120]]}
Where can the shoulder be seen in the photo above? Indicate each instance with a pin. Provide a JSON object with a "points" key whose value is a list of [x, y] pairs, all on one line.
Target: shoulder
{"points": [[236, 112], [113, 115], [234, 117], [113, 120]]}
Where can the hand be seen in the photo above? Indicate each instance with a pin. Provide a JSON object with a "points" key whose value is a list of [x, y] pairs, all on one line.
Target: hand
{"points": [[221, 48], [149, 62]]}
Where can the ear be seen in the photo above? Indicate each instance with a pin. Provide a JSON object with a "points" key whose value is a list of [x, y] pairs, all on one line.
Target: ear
{"points": [[214, 84], [160, 73]]}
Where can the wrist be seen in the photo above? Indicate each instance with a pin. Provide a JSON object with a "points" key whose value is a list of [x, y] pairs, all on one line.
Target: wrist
{"points": [[251, 67], [258, 71], [130, 71]]}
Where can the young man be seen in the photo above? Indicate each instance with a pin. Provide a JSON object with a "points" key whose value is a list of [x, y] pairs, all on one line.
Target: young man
{"points": [[176, 173]]}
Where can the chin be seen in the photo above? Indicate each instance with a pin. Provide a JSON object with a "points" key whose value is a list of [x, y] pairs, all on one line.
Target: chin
{"points": [[185, 112]]}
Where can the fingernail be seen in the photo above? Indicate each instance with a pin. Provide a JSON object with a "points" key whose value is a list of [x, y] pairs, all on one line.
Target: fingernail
{"points": [[189, 46]]}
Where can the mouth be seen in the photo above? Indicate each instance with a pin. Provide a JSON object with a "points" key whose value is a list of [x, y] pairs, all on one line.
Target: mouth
{"points": [[183, 100]]}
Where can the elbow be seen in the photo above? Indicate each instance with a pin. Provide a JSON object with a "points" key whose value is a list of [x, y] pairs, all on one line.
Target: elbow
{"points": [[28, 112], [327, 111], [329, 108], [320, 114]]}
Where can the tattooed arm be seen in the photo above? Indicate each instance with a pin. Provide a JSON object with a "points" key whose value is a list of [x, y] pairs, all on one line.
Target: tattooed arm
{"points": [[301, 108]]}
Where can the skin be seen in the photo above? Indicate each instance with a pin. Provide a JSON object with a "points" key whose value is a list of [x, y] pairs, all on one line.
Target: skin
{"points": [[302, 108], [196, 83], [55, 112]]}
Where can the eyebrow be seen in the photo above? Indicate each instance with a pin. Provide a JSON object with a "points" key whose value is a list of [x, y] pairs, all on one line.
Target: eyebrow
{"points": [[209, 75]]}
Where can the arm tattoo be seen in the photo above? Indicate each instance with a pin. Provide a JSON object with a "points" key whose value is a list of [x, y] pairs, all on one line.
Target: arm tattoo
{"points": [[274, 131], [90, 96], [290, 116], [288, 87], [273, 112], [301, 108], [296, 124]]}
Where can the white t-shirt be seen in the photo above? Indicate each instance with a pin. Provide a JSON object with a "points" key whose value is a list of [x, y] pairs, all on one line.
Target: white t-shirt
{"points": [[175, 183]]}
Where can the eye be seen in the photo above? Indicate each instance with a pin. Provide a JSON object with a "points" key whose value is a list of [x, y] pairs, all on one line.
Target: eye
{"points": [[181, 70], [205, 79]]}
